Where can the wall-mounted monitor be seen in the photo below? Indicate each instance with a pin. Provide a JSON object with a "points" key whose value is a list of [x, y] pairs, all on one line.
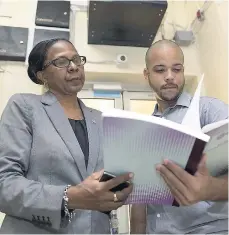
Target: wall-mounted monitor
{"points": [[53, 14], [13, 43], [124, 23], [45, 34]]}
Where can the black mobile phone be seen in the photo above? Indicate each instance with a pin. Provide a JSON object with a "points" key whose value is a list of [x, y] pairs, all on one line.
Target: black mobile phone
{"points": [[108, 176]]}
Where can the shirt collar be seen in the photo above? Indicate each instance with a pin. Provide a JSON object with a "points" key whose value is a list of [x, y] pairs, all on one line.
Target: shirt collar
{"points": [[183, 100]]}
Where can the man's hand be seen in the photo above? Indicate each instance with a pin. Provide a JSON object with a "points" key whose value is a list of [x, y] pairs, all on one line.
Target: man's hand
{"points": [[188, 189]]}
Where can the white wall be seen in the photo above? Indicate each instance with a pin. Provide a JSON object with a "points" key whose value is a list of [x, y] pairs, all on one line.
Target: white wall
{"points": [[16, 80], [135, 55], [212, 45], [206, 55]]}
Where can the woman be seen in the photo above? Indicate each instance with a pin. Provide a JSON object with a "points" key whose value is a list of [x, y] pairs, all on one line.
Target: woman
{"points": [[50, 160]]}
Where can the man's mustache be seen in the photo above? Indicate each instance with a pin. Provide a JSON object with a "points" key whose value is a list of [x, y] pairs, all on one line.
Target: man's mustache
{"points": [[170, 85]]}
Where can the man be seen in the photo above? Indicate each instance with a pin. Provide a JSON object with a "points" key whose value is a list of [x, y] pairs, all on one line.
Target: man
{"points": [[202, 198]]}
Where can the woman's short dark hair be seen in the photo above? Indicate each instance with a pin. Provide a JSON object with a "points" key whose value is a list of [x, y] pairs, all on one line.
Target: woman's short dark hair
{"points": [[38, 56]]}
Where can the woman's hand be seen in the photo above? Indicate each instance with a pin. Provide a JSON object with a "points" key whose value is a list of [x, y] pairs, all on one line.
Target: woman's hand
{"points": [[94, 195]]}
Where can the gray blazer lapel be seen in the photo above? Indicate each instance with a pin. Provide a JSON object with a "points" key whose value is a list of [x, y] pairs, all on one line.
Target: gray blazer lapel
{"points": [[64, 129], [92, 129]]}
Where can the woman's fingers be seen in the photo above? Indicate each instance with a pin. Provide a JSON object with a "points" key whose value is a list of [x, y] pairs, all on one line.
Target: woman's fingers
{"points": [[108, 185]]}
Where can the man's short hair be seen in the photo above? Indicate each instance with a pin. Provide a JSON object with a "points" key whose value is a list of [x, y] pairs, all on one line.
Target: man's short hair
{"points": [[161, 43]]}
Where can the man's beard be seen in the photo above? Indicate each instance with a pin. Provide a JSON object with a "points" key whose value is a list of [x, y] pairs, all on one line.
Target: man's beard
{"points": [[168, 95]]}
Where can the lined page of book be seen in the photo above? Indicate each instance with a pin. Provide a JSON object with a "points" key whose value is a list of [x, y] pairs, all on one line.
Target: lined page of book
{"points": [[192, 116]]}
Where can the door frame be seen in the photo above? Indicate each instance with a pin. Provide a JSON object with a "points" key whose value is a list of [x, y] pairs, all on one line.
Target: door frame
{"points": [[136, 95], [90, 94]]}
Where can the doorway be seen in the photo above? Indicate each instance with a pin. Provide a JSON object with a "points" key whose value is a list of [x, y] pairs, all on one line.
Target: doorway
{"points": [[140, 102]]}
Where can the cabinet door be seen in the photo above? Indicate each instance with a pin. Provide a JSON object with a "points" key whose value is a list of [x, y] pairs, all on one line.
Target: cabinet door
{"points": [[139, 102], [101, 101]]}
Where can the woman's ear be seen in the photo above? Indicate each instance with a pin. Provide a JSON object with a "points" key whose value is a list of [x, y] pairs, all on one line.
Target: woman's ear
{"points": [[146, 74], [40, 76]]}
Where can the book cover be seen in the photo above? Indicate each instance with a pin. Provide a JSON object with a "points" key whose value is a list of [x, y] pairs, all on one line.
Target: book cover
{"points": [[131, 145]]}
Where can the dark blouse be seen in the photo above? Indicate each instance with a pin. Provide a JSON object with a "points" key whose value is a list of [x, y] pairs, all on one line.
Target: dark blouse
{"points": [[80, 129]]}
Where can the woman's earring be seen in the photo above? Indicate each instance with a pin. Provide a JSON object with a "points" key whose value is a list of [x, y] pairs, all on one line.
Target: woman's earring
{"points": [[46, 84]]}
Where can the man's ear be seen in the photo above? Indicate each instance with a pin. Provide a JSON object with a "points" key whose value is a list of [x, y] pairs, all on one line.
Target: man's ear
{"points": [[146, 73]]}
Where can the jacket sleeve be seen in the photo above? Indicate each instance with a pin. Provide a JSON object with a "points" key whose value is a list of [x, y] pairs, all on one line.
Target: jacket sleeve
{"points": [[20, 197], [100, 162]]}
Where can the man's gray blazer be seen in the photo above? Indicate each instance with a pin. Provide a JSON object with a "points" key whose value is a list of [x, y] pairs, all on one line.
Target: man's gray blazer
{"points": [[39, 156]]}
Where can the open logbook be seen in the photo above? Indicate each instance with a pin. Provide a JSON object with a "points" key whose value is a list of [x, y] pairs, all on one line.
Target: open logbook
{"points": [[136, 143]]}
